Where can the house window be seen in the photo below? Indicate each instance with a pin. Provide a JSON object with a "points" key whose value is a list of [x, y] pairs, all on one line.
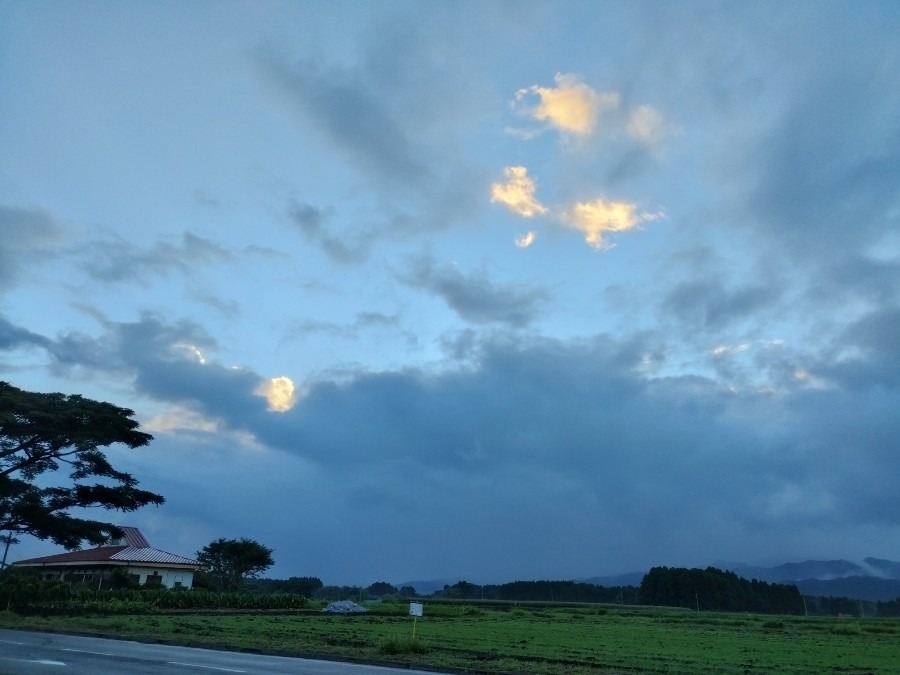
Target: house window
{"points": [[153, 580]]}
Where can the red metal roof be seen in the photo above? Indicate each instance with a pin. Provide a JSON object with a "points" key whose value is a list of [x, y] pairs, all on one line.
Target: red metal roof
{"points": [[90, 555], [134, 537], [137, 552]]}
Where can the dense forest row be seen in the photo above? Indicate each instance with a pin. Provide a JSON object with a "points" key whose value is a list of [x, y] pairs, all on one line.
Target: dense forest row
{"points": [[717, 590], [707, 589]]}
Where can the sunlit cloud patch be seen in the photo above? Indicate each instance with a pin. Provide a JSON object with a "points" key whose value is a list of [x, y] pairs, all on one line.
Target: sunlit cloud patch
{"points": [[279, 392], [571, 107], [599, 218], [525, 240], [517, 194]]}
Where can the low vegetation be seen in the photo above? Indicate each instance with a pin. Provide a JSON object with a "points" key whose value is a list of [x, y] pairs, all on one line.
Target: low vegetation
{"points": [[540, 638]]}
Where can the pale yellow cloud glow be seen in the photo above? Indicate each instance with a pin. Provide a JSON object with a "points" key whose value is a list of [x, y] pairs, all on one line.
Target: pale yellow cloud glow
{"points": [[645, 124], [598, 218], [725, 350], [279, 392], [179, 420], [571, 107], [517, 193], [182, 420], [190, 351], [525, 240]]}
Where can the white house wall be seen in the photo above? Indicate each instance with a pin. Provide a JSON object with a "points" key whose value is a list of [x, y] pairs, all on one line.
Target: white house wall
{"points": [[170, 578]]}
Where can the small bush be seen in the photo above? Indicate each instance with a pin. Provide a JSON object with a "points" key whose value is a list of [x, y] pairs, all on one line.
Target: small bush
{"points": [[396, 646]]}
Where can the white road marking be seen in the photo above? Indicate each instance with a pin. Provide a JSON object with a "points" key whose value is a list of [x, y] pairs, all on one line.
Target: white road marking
{"points": [[197, 665], [10, 642], [85, 651], [48, 662]]}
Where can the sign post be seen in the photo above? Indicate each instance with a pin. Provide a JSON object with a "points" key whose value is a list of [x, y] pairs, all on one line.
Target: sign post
{"points": [[415, 611]]}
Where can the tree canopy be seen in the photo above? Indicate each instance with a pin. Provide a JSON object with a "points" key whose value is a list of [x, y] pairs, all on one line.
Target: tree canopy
{"points": [[55, 434], [229, 562]]}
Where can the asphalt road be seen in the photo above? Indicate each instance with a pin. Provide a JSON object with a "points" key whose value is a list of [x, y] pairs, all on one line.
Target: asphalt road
{"points": [[26, 653]]}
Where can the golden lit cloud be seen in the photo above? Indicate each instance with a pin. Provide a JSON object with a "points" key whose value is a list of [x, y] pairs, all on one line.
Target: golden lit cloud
{"points": [[645, 124], [279, 392], [517, 193], [597, 218], [571, 107], [525, 240]]}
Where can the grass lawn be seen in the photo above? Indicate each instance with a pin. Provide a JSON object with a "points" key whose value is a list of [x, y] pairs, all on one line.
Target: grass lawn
{"points": [[547, 639]]}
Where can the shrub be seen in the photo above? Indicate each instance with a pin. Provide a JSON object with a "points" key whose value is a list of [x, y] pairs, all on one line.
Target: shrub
{"points": [[395, 646]]}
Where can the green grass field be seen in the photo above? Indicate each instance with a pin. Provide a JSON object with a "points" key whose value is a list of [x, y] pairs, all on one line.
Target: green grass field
{"points": [[529, 639]]}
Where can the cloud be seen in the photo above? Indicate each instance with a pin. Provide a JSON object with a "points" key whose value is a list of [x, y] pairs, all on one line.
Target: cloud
{"points": [[525, 240], [279, 392], [553, 431], [166, 361], [708, 304], [120, 260], [572, 107], [28, 236], [344, 109], [311, 222], [645, 124], [517, 194], [475, 297], [527, 434], [600, 217], [362, 324]]}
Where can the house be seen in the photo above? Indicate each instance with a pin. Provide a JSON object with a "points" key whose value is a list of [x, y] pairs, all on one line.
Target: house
{"points": [[131, 554]]}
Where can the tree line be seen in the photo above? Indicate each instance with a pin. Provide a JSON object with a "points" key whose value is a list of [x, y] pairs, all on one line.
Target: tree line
{"points": [[717, 590], [540, 591]]}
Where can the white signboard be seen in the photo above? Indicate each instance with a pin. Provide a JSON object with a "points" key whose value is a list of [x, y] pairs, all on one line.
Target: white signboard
{"points": [[415, 609]]}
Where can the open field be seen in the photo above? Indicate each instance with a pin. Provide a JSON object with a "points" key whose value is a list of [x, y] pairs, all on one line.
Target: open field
{"points": [[549, 639]]}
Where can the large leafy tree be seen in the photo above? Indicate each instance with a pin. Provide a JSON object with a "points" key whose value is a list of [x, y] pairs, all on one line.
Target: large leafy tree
{"points": [[46, 436], [229, 562]]}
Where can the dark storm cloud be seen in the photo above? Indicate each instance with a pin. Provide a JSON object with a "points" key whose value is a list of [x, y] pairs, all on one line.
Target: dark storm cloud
{"points": [[857, 277], [120, 260], [14, 337], [573, 430], [341, 105], [162, 360], [867, 352], [312, 223], [475, 297], [708, 304], [26, 236], [566, 443]]}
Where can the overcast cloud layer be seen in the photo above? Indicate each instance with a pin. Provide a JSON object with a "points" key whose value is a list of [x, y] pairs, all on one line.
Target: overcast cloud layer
{"points": [[412, 290]]}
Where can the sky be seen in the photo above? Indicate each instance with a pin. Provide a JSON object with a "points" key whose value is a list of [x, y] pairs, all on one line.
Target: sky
{"points": [[479, 290]]}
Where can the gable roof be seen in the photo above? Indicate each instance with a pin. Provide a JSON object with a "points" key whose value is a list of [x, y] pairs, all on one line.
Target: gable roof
{"points": [[134, 537], [137, 551]]}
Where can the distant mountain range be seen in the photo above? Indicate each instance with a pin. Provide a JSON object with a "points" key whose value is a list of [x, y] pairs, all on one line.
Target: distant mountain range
{"points": [[873, 579]]}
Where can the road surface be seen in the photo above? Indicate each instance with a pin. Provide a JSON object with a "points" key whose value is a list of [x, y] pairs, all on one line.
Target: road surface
{"points": [[27, 653]]}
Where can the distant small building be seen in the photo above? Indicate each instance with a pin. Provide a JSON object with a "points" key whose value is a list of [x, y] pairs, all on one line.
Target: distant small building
{"points": [[131, 554]]}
